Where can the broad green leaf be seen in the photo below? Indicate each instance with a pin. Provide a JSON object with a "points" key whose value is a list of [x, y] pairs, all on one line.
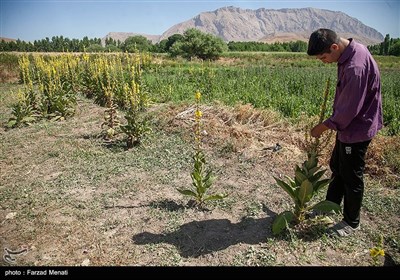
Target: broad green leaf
{"points": [[196, 176], [305, 192], [311, 162], [286, 187], [208, 183], [208, 176], [282, 221], [300, 177], [291, 181], [313, 170], [317, 176], [320, 184], [295, 178], [195, 184], [187, 192], [327, 206], [200, 188], [198, 166]]}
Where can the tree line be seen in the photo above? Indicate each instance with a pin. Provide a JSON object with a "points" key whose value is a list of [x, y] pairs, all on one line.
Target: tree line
{"points": [[141, 43], [55, 44], [389, 46], [193, 43]]}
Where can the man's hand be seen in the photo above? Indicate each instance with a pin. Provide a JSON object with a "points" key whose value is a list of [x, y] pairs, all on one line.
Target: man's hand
{"points": [[318, 130]]}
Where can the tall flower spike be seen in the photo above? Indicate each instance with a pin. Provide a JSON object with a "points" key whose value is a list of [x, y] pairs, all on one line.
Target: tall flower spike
{"points": [[198, 114], [316, 146]]}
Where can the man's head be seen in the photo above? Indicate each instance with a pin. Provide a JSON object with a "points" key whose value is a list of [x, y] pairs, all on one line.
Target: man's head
{"points": [[324, 44]]}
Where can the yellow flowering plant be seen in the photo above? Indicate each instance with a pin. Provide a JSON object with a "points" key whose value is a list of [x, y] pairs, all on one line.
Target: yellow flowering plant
{"points": [[202, 179], [111, 122], [377, 252], [23, 112], [137, 122]]}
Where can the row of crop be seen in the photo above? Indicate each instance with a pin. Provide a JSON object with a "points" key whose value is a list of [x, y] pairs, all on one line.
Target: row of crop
{"points": [[52, 81], [292, 91], [51, 84]]}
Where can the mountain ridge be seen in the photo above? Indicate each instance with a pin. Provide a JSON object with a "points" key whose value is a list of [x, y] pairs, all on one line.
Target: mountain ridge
{"points": [[268, 25]]}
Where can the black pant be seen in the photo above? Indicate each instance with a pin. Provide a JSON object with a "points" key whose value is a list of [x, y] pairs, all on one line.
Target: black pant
{"points": [[347, 164]]}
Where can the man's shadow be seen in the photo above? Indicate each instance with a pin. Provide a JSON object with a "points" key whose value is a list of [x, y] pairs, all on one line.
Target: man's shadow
{"points": [[202, 237]]}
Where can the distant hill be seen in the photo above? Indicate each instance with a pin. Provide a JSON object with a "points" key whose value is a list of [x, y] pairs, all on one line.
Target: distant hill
{"points": [[268, 25], [7, 39]]}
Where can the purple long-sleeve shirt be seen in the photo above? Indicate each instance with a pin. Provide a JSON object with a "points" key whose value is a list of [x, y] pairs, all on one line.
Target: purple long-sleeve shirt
{"points": [[357, 107]]}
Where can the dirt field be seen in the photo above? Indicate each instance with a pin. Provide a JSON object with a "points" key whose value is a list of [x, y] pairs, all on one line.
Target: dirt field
{"points": [[71, 200]]}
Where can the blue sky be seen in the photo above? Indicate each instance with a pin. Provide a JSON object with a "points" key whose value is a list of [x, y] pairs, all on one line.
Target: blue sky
{"points": [[30, 20]]}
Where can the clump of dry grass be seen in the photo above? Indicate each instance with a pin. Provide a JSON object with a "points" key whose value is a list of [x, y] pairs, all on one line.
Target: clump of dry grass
{"points": [[8, 75], [383, 159], [242, 125], [9, 71]]}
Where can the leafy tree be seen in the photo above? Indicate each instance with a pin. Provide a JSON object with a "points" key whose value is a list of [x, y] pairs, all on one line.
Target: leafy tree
{"points": [[4, 46], [85, 43], [395, 48], [161, 46], [298, 46], [136, 43], [44, 45], [165, 45], [386, 45], [198, 44], [95, 48], [278, 47], [177, 49], [74, 45], [110, 42], [111, 48], [171, 40]]}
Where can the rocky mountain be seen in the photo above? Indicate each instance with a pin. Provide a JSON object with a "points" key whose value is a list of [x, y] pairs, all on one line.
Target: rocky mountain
{"points": [[268, 25]]}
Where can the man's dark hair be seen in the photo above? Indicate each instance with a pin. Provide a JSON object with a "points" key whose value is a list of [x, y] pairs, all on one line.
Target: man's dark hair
{"points": [[321, 40]]}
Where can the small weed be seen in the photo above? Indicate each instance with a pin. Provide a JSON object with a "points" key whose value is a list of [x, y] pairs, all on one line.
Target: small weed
{"points": [[255, 257], [253, 209]]}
